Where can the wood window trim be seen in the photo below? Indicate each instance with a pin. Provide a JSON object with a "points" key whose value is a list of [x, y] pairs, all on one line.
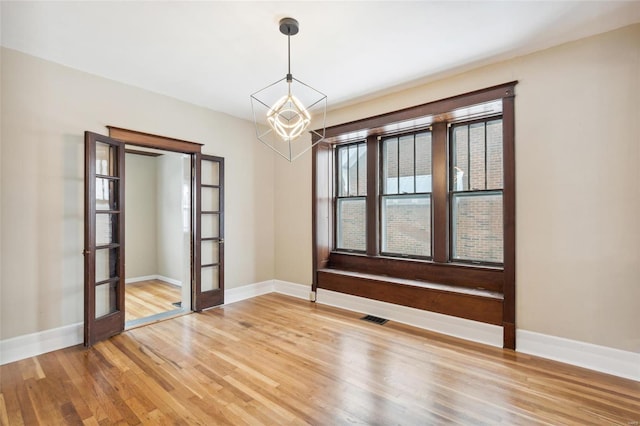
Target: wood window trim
{"points": [[455, 275], [439, 194], [439, 109]]}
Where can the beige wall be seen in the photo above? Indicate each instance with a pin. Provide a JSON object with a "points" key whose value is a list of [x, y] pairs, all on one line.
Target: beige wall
{"points": [[141, 220], [293, 261], [169, 229], [45, 110], [578, 186], [156, 241]]}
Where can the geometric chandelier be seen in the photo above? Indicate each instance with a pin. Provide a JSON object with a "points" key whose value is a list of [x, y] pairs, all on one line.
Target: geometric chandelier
{"points": [[283, 110]]}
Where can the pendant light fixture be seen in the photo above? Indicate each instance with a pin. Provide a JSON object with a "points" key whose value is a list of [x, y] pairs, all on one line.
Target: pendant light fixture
{"points": [[283, 110]]}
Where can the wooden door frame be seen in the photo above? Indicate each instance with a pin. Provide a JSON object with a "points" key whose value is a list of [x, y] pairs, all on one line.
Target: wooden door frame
{"points": [[148, 140]]}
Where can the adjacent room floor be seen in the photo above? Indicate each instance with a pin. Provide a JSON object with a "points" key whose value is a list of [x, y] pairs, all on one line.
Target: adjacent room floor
{"points": [[274, 359], [150, 297]]}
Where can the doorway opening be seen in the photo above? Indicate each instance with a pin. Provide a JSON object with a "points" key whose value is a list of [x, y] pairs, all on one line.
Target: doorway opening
{"points": [[158, 234], [200, 240]]}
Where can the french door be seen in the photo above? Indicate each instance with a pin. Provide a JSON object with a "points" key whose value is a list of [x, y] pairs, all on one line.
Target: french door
{"points": [[104, 238], [209, 242], [104, 266]]}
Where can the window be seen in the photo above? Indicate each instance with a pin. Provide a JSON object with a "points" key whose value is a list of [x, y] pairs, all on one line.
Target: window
{"points": [[406, 195], [470, 167], [351, 214], [476, 191], [420, 196]]}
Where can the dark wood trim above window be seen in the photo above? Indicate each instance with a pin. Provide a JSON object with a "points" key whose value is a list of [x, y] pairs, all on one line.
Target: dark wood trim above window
{"points": [[440, 110], [438, 277]]}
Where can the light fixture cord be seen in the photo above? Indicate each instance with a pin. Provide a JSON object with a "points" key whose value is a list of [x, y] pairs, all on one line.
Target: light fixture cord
{"points": [[289, 50], [289, 76]]}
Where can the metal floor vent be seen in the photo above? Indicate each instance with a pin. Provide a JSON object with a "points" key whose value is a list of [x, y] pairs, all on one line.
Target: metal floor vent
{"points": [[373, 319]]}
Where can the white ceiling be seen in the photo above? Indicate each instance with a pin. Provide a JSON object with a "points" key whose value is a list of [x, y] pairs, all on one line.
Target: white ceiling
{"points": [[215, 54]]}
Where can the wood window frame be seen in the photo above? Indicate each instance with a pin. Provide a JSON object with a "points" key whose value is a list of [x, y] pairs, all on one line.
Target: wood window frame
{"points": [[380, 195], [469, 192], [351, 197], [479, 292]]}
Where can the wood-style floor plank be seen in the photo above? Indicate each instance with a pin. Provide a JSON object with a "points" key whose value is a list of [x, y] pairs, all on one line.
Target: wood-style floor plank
{"points": [[279, 360], [150, 297]]}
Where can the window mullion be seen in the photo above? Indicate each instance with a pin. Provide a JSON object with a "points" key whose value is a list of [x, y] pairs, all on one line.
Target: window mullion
{"points": [[373, 226], [414, 165], [468, 157], [357, 169], [348, 183], [485, 155], [398, 166], [440, 196]]}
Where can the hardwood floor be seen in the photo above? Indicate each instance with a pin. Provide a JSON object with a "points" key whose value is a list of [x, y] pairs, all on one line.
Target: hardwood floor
{"points": [[146, 298], [274, 359]]}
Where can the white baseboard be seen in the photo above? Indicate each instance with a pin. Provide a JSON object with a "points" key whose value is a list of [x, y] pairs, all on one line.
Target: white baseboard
{"points": [[248, 291], [292, 289], [138, 279], [270, 286], [452, 326], [599, 358], [153, 277], [594, 357], [21, 347]]}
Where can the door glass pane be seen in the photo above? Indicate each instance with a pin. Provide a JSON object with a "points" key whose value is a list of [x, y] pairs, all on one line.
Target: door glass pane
{"points": [[105, 299], [106, 194], [210, 279], [210, 199], [406, 225], [352, 231], [105, 164], [210, 224], [106, 264], [210, 172], [477, 227], [209, 252], [106, 229]]}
